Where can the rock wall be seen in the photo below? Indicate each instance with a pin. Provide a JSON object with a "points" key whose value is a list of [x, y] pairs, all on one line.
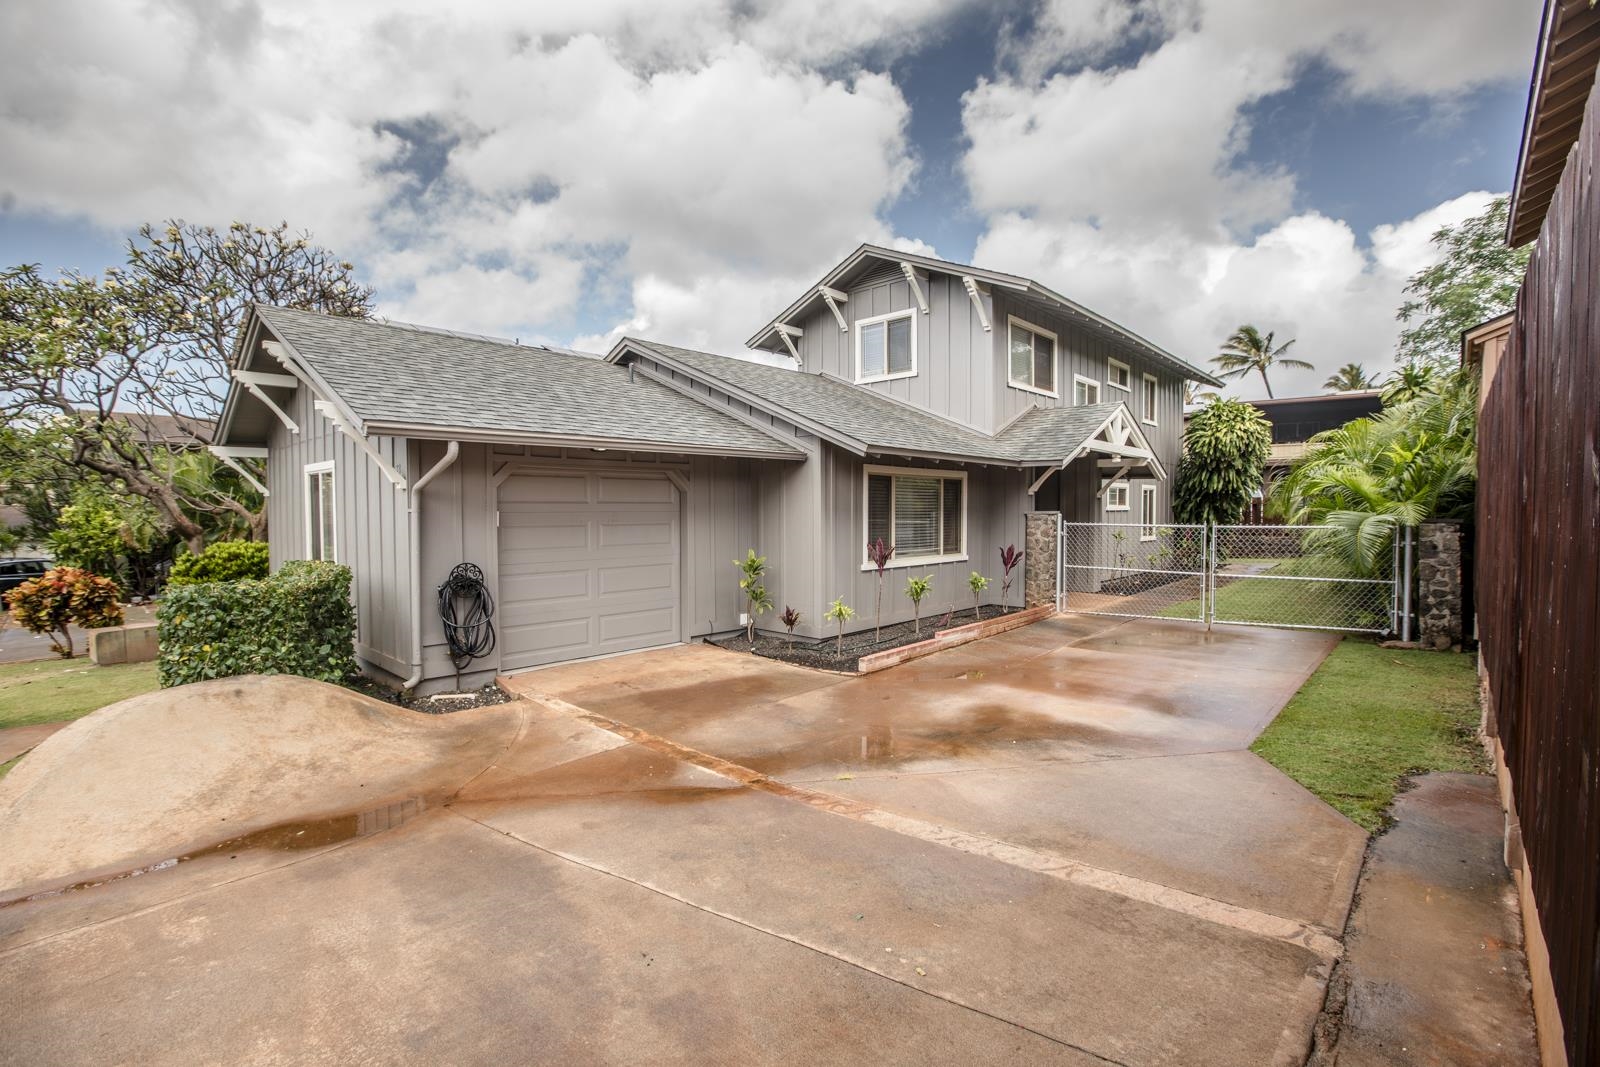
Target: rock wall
{"points": [[1439, 619], [1039, 564]]}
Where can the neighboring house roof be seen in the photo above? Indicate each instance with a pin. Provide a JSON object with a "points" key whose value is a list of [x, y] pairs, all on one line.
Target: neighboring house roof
{"points": [[407, 381], [1563, 74], [866, 421], [177, 431], [868, 255]]}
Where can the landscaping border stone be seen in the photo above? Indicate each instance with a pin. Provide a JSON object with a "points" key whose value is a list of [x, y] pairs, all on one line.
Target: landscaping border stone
{"points": [[951, 638]]}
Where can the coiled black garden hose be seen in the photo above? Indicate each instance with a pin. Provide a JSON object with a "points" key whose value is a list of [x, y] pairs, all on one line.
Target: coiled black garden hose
{"points": [[466, 609]]}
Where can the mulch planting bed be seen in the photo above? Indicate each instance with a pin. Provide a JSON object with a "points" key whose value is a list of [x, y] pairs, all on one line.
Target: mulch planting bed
{"points": [[823, 655], [439, 704]]}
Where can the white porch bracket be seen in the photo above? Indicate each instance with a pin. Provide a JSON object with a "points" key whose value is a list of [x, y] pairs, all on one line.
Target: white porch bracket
{"points": [[257, 383], [916, 286], [1039, 482], [833, 298], [331, 413], [789, 333], [1106, 484], [977, 300], [232, 454]]}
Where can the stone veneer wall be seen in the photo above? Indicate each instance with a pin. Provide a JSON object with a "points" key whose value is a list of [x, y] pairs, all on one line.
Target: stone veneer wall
{"points": [[1439, 620], [1039, 564]]}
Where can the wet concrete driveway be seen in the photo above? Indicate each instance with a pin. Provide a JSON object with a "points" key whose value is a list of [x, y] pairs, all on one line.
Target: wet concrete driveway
{"points": [[1048, 847]]}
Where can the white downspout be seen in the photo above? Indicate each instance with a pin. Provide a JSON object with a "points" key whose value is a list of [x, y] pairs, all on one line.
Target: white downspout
{"points": [[452, 450]]}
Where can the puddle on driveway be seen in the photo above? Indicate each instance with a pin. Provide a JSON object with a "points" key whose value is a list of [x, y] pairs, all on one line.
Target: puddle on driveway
{"points": [[284, 837]]}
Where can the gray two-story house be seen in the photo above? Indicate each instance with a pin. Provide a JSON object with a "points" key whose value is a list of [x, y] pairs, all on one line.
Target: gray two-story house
{"points": [[927, 403]]}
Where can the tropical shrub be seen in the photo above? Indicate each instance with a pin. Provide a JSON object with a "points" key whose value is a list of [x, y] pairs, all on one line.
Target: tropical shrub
{"points": [[753, 569], [298, 621], [1414, 461], [1224, 448], [916, 589], [224, 561], [790, 619], [112, 534], [977, 583], [878, 554], [63, 597], [1010, 556], [841, 613]]}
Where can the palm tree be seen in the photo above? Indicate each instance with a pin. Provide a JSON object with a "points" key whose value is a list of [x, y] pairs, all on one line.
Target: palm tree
{"points": [[1410, 382], [1248, 351], [1415, 461], [1349, 378]]}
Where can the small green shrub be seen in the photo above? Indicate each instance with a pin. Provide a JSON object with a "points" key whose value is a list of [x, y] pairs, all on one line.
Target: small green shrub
{"points": [[225, 561], [298, 621], [63, 596]]}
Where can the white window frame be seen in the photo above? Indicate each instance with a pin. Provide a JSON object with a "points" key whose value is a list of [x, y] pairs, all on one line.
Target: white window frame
{"points": [[1111, 378], [324, 467], [906, 313], [868, 470], [1148, 500], [1111, 491], [1147, 402], [1056, 364], [1077, 380]]}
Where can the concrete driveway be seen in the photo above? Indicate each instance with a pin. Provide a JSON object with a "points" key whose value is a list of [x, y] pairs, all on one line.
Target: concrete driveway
{"points": [[1048, 847]]}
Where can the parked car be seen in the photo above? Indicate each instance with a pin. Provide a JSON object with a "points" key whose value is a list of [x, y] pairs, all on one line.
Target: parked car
{"points": [[13, 572]]}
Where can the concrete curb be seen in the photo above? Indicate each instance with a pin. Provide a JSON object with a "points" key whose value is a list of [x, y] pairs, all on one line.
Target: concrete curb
{"points": [[951, 638]]}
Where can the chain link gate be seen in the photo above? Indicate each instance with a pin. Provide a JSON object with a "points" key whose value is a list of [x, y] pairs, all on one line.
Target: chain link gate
{"points": [[1238, 575]]}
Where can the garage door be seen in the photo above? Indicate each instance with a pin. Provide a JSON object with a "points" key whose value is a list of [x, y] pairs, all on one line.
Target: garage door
{"points": [[588, 565]]}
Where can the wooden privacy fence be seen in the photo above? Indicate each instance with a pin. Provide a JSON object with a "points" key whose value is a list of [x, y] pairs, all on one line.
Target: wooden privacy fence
{"points": [[1538, 584]]}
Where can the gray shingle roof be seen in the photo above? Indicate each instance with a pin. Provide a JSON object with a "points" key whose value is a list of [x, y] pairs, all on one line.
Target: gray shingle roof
{"points": [[1039, 437], [392, 376]]}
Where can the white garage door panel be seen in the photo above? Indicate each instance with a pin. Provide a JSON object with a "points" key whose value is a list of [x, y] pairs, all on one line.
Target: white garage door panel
{"points": [[588, 566]]}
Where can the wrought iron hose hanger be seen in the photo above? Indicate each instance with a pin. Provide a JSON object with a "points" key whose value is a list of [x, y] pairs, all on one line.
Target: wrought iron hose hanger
{"points": [[466, 609]]}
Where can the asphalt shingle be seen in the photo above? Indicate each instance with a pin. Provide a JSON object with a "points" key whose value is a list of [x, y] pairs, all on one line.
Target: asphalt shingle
{"points": [[394, 374]]}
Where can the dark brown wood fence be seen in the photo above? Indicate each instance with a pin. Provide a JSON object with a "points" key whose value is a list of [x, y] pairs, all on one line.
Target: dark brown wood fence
{"points": [[1538, 581]]}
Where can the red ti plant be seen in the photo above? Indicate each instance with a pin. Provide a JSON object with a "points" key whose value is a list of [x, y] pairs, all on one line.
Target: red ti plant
{"points": [[790, 619], [878, 555], [1009, 558]]}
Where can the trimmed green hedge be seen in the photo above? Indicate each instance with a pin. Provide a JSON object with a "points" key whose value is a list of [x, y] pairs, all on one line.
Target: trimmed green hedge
{"points": [[299, 621], [225, 561]]}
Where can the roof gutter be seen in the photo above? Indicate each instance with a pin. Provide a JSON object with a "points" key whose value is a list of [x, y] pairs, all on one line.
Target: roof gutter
{"points": [[414, 518]]}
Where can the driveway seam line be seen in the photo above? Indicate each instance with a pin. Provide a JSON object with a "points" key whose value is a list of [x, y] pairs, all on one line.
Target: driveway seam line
{"points": [[1052, 761], [600, 869], [1169, 898]]}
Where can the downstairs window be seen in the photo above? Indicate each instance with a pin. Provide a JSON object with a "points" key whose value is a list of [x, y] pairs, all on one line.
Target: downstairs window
{"points": [[921, 514]]}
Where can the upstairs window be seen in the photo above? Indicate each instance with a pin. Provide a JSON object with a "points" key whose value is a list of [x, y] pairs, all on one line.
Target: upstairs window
{"points": [[1033, 358], [921, 513], [320, 511], [1085, 390], [1149, 412], [1118, 374], [886, 347]]}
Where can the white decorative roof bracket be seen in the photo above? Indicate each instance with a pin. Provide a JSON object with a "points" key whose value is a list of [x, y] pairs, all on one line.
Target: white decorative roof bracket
{"points": [[232, 454], [331, 413], [977, 301], [833, 298], [1106, 484], [916, 286], [255, 381], [1048, 471], [789, 333]]}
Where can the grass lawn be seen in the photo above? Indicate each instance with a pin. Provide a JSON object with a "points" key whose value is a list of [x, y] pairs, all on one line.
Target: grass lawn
{"points": [[1266, 598], [58, 690], [1370, 716]]}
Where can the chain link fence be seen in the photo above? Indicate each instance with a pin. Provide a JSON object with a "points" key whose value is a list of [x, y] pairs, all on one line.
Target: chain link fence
{"points": [[1290, 576]]}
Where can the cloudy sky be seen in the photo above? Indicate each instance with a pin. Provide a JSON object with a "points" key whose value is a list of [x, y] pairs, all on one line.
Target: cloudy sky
{"points": [[567, 172]]}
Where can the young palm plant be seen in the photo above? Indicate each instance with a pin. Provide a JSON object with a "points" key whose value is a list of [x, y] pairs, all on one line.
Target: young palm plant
{"points": [[916, 589], [878, 555], [753, 569], [1247, 351], [841, 613], [1009, 558], [977, 583]]}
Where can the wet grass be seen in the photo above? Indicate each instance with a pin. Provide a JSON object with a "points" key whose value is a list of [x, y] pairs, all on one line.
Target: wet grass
{"points": [[1264, 598], [1371, 716], [62, 690], [5, 768]]}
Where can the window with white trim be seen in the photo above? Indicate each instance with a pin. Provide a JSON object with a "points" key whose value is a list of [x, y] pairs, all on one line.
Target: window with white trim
{"points": [[1032, 357], [1117, 496], [1147, 513], [1119, 374], [886, 346], [1085, 390], [321, 535], [1150, 406], [921, 514]]}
